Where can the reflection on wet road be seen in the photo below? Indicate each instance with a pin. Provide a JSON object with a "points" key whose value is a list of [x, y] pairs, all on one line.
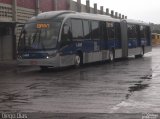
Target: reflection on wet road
{"points": [[124, 86]]}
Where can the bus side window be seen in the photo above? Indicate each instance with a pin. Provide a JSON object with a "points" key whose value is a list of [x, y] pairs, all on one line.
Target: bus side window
{"points": [[66, 37], [142, 31], [77, 29], [147, 32], [95, 30], [103, 31], [148, 35], [132, 32], [86, 29], [110, 30], [117, 31]]}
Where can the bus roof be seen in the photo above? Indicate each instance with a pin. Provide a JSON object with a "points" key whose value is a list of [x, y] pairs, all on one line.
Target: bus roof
{"points": [[131, 21], [71, 14]]}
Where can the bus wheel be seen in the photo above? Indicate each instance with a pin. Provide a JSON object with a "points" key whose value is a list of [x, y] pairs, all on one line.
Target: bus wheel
{"points": [[111, 55], [78, 60]]}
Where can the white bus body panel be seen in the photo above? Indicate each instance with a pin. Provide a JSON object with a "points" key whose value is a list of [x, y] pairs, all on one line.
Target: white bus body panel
{"points": [[51, 62], [67, 60], [118, 53], [95, 56], [92, 57], [147, 49], [134, 51], [105, 54]]}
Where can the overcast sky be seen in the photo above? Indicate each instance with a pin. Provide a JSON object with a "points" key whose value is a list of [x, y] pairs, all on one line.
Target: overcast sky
{"points": [[145, 10]]}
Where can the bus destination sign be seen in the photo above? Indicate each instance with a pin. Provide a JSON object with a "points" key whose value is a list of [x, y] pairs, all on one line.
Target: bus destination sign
{"points": [[42, 26]]}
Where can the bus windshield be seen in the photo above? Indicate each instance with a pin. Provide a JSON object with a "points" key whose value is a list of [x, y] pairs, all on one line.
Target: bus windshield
{"points": [[40, 35]]}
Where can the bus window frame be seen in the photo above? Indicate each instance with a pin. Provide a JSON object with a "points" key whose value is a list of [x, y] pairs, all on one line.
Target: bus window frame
{"points": [[99, 38], [89, 24], [77, 39], [109, 25], [68, 23], [136, 32]]}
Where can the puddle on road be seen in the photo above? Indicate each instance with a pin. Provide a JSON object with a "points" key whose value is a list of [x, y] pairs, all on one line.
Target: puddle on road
{"points": [[93, 85], [139, 85], [136, 87], [146, 77], [8, 99]]}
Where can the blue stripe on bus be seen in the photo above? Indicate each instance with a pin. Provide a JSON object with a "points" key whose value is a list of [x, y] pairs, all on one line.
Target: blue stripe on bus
{"points": [[133, 43], [27, 55], [87, 46], [84, 46], [90, 46]]}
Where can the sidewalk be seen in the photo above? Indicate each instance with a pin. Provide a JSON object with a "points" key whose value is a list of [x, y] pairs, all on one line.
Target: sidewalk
{"points": [[8, 65]]}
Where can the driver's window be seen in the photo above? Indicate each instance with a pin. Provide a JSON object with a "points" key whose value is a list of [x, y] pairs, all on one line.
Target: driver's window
{"points": [[66, 37]]}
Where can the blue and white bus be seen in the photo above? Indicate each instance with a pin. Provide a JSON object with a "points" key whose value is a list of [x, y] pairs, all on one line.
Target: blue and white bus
{"points": [[64, 38]]}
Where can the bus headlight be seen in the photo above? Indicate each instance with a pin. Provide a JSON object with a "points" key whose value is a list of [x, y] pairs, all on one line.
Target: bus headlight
{"points": [[52, 54]]}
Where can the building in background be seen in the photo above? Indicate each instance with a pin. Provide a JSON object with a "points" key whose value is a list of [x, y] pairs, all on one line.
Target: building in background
{"points": [[155, 39], [14, 12]]}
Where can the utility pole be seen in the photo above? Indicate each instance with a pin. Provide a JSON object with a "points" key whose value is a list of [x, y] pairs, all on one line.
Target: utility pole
{"points": [[37, 7], [14, 7], [87, 6], [56, 5], [79, 5], [95, 8]]}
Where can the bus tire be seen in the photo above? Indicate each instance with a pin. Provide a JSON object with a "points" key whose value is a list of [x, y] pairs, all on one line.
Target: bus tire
{"points": [[78, 61], [111, 55]]}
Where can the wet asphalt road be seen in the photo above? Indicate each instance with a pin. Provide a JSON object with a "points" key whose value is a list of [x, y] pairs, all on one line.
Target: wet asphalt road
{"points": [[130, 86]]}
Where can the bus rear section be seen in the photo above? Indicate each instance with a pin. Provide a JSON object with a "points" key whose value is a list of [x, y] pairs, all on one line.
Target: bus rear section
{"points": [[136, 38]]}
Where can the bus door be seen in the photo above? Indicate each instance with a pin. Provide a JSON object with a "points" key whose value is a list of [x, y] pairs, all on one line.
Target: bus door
{"points": [[145, 35], [111, 35], [88, 45], [66, 38], [118, 44], [103, 36], [95, 29], [147, 46]]}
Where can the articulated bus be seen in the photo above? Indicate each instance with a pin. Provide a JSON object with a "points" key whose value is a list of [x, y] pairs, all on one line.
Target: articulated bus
{"points": [[65, 38]]}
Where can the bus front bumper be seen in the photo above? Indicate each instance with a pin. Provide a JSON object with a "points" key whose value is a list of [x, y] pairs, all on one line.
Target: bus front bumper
{"points": [[50, 62]]}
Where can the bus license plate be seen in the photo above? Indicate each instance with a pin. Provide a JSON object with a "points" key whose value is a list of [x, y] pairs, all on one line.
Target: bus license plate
{"points": [[33, 62]]}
